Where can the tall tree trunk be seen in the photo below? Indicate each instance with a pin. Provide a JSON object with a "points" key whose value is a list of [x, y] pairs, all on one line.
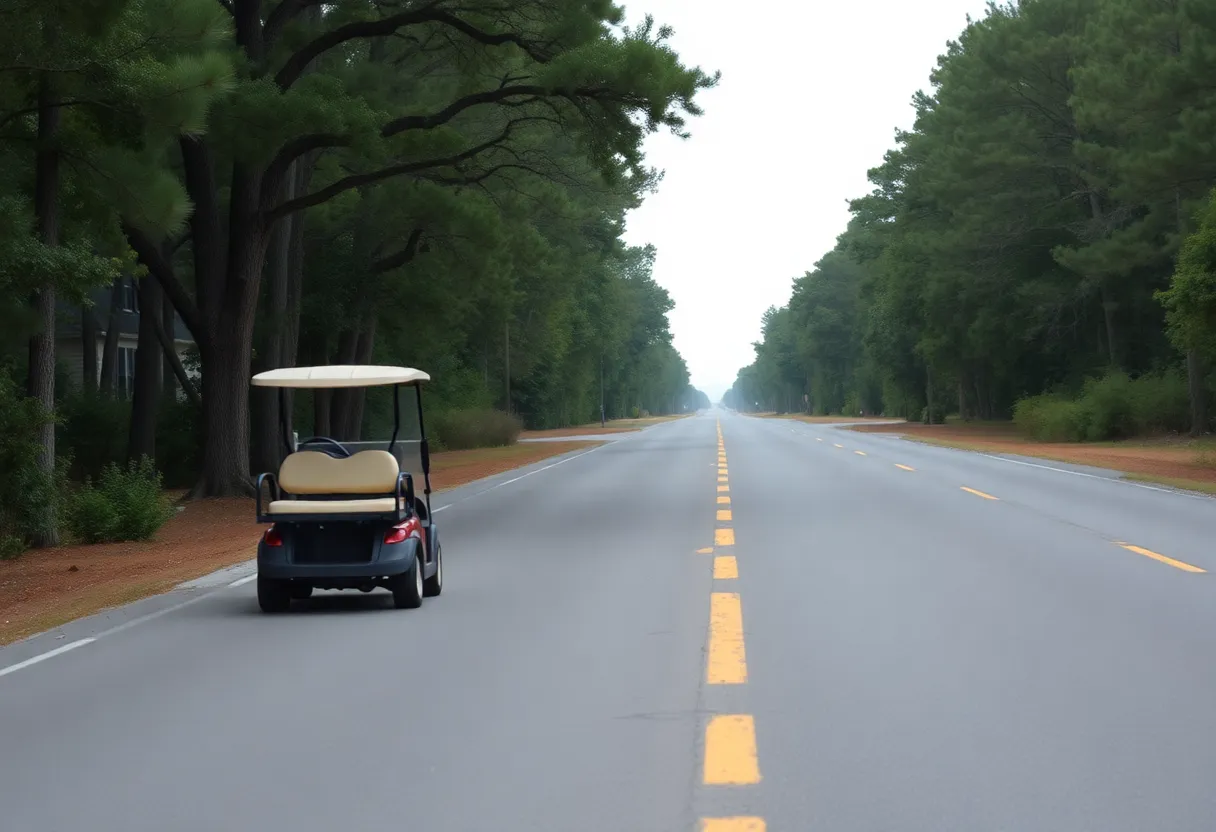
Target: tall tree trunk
{"points": [[1198, 392], [145, 398], [352, 428], [295, 279], [1108, 314], [109, 349], [343, 400], [268, 445], [232, 300], [42, 345], [168, 372], [88, 351], [226, 372], [322, 413], [929, 395]]}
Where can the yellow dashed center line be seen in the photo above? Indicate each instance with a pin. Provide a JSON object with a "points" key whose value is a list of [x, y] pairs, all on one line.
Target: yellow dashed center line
{"points": [[1148, 553], [838, 445], [904, 467], [977, 493], [727, 663], [860, 453], [730, 751], [733, 825], [730, 741]]}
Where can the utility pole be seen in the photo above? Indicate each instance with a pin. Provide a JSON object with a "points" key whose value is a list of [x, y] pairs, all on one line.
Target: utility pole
{"points": [[602, 421]]}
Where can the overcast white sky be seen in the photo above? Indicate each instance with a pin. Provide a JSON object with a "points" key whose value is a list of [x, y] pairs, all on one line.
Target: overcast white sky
{"points": [[810, 97]]}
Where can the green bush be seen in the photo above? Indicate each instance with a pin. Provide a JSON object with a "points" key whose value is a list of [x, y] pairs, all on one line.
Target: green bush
{"points": [[1051, 418], [94, 429], [939, 414], [25, 490], [124, 504], [1114, 406], [1161, 403], [462, 429]]}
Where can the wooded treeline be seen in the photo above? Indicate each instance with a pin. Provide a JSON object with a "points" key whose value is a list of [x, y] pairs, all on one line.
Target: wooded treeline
{"points": [[436, 184], [1022, 241]]}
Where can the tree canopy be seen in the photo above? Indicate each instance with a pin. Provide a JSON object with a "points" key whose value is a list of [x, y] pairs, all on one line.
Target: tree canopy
{"points": [[437, 184]]}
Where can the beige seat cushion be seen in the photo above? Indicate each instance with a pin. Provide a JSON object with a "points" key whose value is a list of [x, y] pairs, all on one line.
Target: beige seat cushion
{"points": [[381, 505], [313, 472]]}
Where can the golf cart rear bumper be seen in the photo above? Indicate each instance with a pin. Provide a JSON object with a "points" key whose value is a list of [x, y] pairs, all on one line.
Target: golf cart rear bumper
{"points": [[389, 560]]}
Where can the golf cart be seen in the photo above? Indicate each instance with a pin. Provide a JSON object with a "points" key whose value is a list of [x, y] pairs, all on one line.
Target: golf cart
{"points": [[345, 515]]}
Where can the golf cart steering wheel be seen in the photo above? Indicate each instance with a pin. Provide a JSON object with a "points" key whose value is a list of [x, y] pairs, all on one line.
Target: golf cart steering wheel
{"points": [[344, 453]]}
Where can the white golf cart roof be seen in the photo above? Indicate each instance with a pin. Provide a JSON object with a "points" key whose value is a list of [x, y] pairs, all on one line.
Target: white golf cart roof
{"points": [[339, 375]]}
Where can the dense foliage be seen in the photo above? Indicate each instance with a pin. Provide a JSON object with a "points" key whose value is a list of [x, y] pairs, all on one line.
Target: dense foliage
{"points": [[1022, 239], [437, 184]]}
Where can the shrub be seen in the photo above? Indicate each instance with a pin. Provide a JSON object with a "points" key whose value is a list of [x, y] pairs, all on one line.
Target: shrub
{"points": [[1050, 418], [939, 414], [462, 429], [1114, 406], [1108, 405], [1161, 403], [125, 504], [25, 489]]}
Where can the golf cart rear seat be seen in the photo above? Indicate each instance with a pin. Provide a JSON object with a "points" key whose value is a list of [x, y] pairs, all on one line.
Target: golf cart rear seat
{"points": [[339, 483]]}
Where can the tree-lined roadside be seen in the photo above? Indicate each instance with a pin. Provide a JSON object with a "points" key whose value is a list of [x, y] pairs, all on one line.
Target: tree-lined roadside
{"points": [[65, 583], [1037, 246], [285, 182]]}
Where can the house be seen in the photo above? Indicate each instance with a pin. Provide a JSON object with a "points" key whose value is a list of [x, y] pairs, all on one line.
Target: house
{"points": [[69, 340]]}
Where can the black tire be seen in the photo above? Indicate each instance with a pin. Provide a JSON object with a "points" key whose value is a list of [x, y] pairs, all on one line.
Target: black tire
{"points": [[299, 591], [274, 595], [433, 585], [407, 587]]}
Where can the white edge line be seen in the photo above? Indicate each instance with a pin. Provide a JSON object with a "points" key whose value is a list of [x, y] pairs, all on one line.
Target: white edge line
{"points": [[1118, 478], [520, 477], [13, 668], [244, 580]]}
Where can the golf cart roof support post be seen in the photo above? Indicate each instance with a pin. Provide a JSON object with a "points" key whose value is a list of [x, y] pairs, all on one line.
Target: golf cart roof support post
{"points": [[426, 451], [396, 416], [283, 424]]}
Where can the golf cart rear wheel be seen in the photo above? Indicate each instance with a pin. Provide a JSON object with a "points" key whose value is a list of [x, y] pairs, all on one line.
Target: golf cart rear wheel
{"points": [[300, 591], [407, 587], [433, 585], [274, 595]]}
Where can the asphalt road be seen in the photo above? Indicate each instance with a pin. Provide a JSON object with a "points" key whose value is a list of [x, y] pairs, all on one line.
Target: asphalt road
{"points": [[839, 631]]}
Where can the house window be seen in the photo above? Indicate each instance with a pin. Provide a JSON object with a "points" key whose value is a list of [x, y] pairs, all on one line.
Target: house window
{"points": [[129, 295], [124, 373]]}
